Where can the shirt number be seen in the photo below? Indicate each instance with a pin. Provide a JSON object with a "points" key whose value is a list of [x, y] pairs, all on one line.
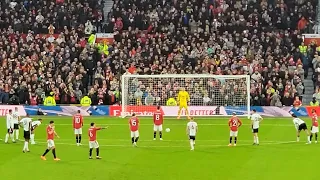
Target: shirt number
{"points": [[157, 117], [77, 120], [234, 123], [133, 122], [90, 134]]}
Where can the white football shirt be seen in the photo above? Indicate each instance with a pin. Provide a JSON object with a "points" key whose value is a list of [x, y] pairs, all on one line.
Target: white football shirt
{"points": [[35, 124], [9, 119], [192, 128], [26, 122], [297, 122], [15, 116], [255, 118]]}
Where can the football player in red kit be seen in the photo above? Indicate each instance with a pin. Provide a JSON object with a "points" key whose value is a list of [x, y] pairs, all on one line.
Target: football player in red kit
{"points": [[157, 123], [234, 124], [77, 126], [315, 126], [93, 143], [134, 129]]}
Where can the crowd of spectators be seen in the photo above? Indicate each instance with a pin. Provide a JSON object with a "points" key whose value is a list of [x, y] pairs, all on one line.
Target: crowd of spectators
{"points": [[256, 37], [34, 65]]}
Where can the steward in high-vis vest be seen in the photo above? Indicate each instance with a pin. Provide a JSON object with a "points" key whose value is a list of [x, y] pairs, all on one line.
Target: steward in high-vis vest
{"points": [[91, 39], [303, 48], [49, 100], [85, 101], [314, 102]]}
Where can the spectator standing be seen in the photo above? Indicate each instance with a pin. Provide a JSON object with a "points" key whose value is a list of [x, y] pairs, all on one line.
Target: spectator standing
{"points": [[314, 102]]}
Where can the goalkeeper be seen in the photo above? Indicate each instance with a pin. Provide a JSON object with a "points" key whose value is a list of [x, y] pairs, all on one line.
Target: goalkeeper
{"points": [[183, 100]]}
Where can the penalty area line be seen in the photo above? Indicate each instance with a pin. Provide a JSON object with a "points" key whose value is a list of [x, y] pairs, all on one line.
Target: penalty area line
{"points": [[175, 146], [178, 140], [166, 125]]}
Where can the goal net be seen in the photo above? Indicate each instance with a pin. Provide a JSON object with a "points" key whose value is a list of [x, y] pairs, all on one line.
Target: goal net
{"points": [[210, 95]]}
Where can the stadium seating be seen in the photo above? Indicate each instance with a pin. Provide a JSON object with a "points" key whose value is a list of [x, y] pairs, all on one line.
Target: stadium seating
{"points": [[220, 37], [154, 37]]}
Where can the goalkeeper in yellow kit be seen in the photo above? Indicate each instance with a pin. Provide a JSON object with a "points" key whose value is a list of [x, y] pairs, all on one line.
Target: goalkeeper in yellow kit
{"points": [[183, 100]]}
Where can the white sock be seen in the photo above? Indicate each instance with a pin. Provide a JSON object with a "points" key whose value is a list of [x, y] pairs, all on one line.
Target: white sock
{"points": [[191, 144], [308, 138], [17, 133], [32, 138], [254, 140], [6, 138], [24, 146], [257, 140], [298, 138], [12, 137]]}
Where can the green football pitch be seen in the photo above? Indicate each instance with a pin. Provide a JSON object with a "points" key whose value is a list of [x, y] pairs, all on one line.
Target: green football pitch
{"points": [[277, 157]]}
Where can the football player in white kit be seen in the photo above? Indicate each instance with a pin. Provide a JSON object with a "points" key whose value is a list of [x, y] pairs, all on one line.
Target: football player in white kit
{"points": [[34, 125], [9, 119], [192, 129], [26, 123], [255, 124], [16, 119], [301, 125]]}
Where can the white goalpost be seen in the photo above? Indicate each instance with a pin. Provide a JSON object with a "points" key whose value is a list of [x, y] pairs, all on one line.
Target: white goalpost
{"points": [[210, 95]]}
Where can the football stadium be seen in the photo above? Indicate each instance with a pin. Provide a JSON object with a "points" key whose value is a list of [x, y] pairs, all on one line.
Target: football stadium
{"points": [[159, 89]]}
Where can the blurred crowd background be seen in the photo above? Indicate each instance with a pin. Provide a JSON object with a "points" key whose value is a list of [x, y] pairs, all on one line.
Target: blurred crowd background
{"points": [[46, 50]]}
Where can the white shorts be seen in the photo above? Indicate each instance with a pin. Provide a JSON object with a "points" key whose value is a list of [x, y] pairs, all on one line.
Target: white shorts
{"points": [[134, 134], [234, 133], [93, 144], [314, 129], [157, 127], [78, 131], [50, 143]]}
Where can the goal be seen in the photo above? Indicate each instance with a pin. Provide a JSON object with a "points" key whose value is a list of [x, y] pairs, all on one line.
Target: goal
{"points": [[210, 95]]}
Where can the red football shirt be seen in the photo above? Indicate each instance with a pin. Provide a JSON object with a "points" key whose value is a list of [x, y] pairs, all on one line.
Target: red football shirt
{"points": [[158, 118], [234, 123], [315, 120], [50, 133], [134, 123], [92, 132], [297, 103], [77, 121]]}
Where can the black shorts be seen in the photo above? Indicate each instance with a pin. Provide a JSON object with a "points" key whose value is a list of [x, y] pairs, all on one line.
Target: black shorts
{"points": [[302, 126], [26, 134], [255, 130], [192, 137], [10, 131], [16, 126]]}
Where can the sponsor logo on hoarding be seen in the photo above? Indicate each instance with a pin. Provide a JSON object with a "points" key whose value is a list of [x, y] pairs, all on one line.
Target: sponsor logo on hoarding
{"points": [[4, 110], [168, 110], [138, 110], [194, 111]]}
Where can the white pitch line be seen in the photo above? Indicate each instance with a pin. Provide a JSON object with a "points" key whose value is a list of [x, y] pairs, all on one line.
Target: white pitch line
{"points": [[175, 146], [284, 125], [200, 140]]}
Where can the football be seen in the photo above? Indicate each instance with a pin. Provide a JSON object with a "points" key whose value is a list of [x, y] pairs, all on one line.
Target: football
{"points": [[168, 130]]}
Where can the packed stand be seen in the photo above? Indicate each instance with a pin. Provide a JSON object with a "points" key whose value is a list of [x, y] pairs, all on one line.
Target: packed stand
{"points": [[154, 37], [258, 37], [37, 66]]}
